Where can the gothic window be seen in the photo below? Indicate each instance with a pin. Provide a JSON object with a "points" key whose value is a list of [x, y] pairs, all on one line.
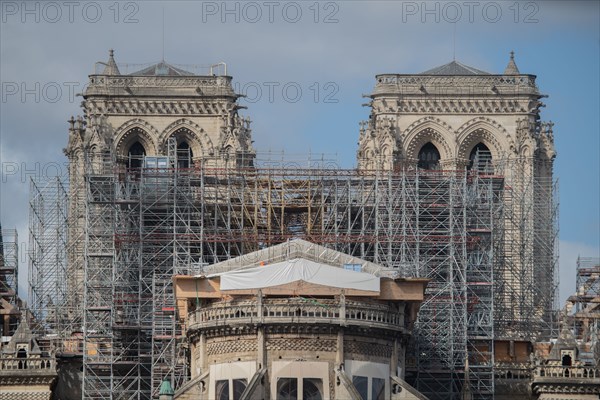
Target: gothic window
{"points": [[136, 155], [369, 387], [287, 389], [567, 361], [480, 159], [223, 389], [239, 385], [378, 389], [184, 155], [429, 157], [311, 389], [22, 355], [186, 140], [361, 383]]}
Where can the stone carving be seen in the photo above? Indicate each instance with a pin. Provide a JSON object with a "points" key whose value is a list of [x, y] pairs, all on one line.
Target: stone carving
{"points": [[145, 133], [378, 145], [199, 141]]}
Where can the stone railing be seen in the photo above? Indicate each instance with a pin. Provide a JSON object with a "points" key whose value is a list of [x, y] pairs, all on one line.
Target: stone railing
{"points": [[403, 79], [582, 372], [513, 371], [183, 85], [297, 310], [12, 364], [159, 81], [417, 84]]}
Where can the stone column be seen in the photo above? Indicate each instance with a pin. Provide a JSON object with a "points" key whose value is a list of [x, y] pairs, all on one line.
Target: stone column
{"points": [[339, 355], [260, 334], [394, 360], [203, 356], [261, 348]]}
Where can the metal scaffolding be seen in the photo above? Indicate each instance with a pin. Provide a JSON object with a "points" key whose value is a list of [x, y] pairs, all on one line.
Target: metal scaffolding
{"points": [[526, 283], [48, 277], [484, 238], [146, 224], [584, 314], [9, 279]]}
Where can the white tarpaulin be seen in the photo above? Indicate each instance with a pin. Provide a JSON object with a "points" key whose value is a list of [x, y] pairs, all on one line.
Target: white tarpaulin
{"points": [[298, 269]]}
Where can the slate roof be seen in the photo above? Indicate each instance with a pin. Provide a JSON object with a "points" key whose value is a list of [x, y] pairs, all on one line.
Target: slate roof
{"points": [[162, 69], [566, 341], [454, 68], [23, 334]]}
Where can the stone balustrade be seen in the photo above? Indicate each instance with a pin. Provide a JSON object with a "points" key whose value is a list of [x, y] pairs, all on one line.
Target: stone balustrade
{"points": [[30, 363], [297, 310], [581, 372], [159, 81], [403, 80], [514, 371]]}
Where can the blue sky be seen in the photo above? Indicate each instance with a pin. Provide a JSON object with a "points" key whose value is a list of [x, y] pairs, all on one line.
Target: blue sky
{"points": [[330, 48]]}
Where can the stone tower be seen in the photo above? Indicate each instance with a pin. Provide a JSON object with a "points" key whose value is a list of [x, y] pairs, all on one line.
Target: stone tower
{"points": [[127, 117], [455, 118]]}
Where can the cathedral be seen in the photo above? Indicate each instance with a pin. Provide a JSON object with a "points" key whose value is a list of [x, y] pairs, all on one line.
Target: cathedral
{"points": [[196, 269]]}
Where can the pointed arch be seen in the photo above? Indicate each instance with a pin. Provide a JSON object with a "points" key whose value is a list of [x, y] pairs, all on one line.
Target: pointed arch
{"points": [[481, 130], [416, 140], [428, 129], [430, 122], [135, 130], [429, 156], [186, 130]]}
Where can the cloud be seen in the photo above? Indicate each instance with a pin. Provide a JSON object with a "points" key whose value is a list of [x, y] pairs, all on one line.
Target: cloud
{"points": [[368, 38]]}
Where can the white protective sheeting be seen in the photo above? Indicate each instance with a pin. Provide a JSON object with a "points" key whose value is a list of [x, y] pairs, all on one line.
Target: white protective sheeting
{"points": [[298, 269]]}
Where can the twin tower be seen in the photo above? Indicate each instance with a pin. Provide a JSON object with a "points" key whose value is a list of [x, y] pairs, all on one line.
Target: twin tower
{"points": [[423, 131]]}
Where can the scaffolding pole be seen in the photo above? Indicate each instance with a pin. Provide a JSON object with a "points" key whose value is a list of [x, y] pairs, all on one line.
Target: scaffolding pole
{"points": [[9, 280], [584, 315], [50, 297], [143, 225], [526, 283]]}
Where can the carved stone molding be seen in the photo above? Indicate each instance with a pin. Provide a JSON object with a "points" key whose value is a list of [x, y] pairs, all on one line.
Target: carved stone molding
{"points": [[417, 139], [460, 106], [197, 138], [158, 81], [430, 120], [156, 107], [145, 132]]}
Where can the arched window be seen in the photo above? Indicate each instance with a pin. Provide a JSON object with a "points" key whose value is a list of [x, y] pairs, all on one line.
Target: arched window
{"points": [[480, 159], [136, 155], [184, 155], [361, 383], [22, 355], [567, 361], [429, 157], [223, 390], [311, 389], [239, 385], [287, 389]]}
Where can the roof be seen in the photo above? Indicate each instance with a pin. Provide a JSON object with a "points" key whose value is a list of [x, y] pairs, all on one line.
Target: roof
{"points": [[511, 68], [22, 335], [454, 68], [162, 69], [298, 269], [566, 341], [166, 389], [299, 248], [111, 66]]}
